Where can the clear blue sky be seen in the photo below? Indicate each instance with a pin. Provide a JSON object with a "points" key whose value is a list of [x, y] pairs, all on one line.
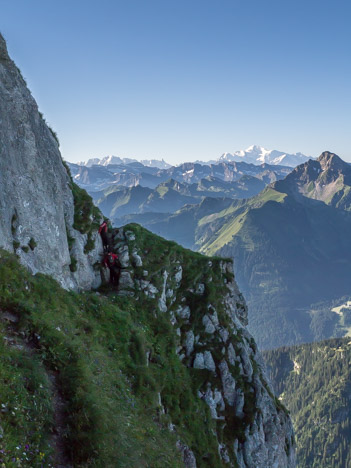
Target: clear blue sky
{"points": [[186, 79]]}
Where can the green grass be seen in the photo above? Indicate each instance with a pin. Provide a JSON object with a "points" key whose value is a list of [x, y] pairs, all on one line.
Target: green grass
{"points": [[162, 190], [87, 217], [224, 235], [115, 357], [231, 220], [98, 347], [269, 194], [86, 339], [26, 408], [32, 244]]}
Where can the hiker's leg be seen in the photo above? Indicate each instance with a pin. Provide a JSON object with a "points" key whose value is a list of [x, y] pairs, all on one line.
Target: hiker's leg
{"points": [[112, 276], [118, 274]]}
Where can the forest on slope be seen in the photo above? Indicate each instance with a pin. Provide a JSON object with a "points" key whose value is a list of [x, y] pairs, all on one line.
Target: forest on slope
{"points": [[314, 382]]}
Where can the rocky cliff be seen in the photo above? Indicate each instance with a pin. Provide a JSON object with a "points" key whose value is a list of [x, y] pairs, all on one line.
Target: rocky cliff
{"points": [[36, 202], [200, 298], [161, 373]]}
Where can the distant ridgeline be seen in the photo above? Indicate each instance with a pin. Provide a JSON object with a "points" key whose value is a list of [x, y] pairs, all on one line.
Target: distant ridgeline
{"points": [[292, 251], [314, 382], [291, 243], [161, 374]]}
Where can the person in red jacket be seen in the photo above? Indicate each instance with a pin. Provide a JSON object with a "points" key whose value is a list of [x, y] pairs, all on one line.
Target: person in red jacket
{"points": [[104, 236], [111, 261]]}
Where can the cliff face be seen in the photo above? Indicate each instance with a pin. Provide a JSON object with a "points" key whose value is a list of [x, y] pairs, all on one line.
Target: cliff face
{"points": [[199, 295], [173, 340], [36, 201]]}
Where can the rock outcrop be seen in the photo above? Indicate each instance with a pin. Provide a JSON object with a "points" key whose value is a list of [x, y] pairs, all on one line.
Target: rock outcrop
{"points": [[209, 316], [192, 302], [36, 202]]}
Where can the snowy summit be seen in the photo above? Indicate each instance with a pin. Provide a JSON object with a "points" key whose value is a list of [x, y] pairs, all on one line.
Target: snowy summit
{"points": [[259, 155], [108, 160]]}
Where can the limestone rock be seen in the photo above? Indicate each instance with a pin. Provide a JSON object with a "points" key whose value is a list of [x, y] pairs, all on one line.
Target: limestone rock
{"points": [[162, 302], [199, 362], [209, 363], [137, 259], [228, 383], [183, 312], [125, 281], [179, 274], [119, 235], [200, 289], [189, 342], [151, 290], [144, 284], [208, 397], [240, 401], [130, 235], [123, 255], [36, 201], [188, 456]]}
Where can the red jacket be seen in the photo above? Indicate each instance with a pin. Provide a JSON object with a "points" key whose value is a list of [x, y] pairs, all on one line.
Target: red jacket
{"points": [[110, 260], [103, 228]]}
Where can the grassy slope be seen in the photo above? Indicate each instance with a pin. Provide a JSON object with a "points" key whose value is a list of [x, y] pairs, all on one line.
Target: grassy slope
{"points": [[314, 382], [86, 339], [233, 218], [97, 346], [287, 256]]}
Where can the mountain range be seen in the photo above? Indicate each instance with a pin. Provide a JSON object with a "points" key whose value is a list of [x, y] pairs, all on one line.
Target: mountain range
{"points": [[97, 177], [160, 370], [154, 369], [170, 196], [259, 155], [291, 244], [252, 155], [108, 160]]}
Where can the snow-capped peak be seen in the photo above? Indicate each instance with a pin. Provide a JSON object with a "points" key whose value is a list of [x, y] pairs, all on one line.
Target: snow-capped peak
{"points": [[258, 155], [111, 159]]}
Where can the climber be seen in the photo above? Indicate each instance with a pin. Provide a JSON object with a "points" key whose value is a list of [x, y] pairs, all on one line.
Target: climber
{"points": [[111, 261], [104, 236]]}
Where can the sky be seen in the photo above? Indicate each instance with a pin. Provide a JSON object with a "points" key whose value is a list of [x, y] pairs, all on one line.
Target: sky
{"points": [[186, 79]]}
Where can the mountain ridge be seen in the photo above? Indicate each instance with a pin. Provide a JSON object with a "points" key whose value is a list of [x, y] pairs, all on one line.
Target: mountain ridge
{"points": [[291, 251], [258, 155], [157, 370], [254, 154]]}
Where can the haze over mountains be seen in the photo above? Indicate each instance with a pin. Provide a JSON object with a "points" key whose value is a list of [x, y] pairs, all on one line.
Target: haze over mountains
{"points": [[288, 230], [174, 193], [252, 155], [107, 160], [99, 177], [160, 370], [156, 369], [292, 250]]}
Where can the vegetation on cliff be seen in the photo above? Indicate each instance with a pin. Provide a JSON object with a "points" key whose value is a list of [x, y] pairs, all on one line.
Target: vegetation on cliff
{"points": [[91, 344], [114, 363], [314, 382], [105, 379]]}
